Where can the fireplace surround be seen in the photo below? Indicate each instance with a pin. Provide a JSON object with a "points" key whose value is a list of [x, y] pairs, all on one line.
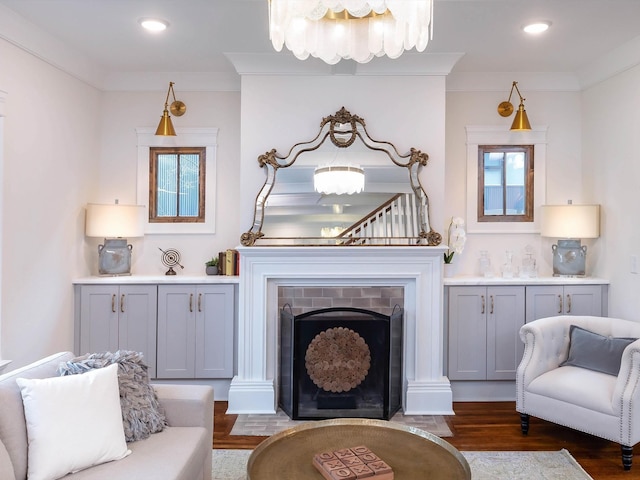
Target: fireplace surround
{"points": [[415, 269]]}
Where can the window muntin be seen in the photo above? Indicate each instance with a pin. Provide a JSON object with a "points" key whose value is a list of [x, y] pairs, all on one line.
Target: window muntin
{"points": [[176, 185], [505, 183]]}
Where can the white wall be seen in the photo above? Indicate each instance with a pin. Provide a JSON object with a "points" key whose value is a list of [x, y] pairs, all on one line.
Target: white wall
{"points": [[51, 150], [560, 112], [611, 159]]}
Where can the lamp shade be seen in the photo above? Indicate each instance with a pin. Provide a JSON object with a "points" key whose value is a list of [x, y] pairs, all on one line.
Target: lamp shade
{"points": [[111, 221], [570, 221]]}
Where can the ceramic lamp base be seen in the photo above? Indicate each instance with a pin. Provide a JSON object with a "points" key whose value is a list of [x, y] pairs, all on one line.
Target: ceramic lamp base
{"points": [[569, 258], [114, 257]]}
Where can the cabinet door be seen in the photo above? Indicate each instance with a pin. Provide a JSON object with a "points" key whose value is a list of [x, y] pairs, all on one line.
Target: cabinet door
{"points": [[544, 301], [505, 316], [583, 300], [467, 333], [214, 331], [176, 331], [137, 309], [550, 300], [98, 318]]}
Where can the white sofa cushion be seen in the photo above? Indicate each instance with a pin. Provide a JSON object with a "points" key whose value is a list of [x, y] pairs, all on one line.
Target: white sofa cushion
{"points": [[73, 422], [575, 386], [142, 414]]}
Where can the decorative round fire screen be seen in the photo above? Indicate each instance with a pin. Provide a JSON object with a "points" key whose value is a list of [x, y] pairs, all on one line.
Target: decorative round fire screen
{"points": [[338, 360]]}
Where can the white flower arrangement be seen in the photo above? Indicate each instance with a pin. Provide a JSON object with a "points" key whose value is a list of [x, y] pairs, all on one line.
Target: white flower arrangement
{"points": [[456, 238]]}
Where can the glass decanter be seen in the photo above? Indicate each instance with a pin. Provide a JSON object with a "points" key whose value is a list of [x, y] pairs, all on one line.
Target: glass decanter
{"points": [[485, 264], [508, 269]]}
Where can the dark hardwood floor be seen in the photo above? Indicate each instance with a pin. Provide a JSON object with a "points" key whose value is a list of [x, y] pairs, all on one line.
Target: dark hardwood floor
{"points": [[489, 426]]}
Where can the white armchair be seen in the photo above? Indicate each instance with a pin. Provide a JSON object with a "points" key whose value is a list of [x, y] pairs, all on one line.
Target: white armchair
{"points": [[600, 404]]}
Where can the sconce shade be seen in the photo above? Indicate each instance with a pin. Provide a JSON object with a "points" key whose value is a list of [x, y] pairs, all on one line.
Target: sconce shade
{"points": [[570, 221], [165, 127], [521, 121], [112, 221]]}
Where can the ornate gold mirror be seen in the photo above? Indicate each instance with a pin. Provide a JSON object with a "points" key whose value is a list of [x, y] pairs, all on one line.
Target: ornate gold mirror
{"points": [[350, 190]]}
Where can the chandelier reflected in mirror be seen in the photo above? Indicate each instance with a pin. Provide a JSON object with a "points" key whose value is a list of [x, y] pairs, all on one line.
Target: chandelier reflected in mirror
{"points": [[350, 29], [338, 179]]}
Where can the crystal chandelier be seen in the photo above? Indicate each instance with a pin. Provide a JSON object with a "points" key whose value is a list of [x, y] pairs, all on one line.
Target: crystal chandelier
{"points": [[352, 29], [338, 180]]}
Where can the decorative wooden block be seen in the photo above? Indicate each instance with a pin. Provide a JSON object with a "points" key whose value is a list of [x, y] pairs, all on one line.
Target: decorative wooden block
{"points": [[352, 464]]}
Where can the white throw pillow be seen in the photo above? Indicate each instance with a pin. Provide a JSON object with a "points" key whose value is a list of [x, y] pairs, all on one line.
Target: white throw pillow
{"points": [[73, 422]]}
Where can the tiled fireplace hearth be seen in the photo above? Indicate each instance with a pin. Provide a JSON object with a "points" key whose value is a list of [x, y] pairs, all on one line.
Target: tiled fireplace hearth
{"points": [[417, 271]]}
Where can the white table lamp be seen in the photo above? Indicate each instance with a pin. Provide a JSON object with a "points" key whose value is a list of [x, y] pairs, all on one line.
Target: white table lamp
{"points": [[115, 223], [570, 223]]}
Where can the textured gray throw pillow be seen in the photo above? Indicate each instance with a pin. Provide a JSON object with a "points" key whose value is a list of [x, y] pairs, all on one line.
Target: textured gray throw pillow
{"points": [[594, 351], [142, 413]]}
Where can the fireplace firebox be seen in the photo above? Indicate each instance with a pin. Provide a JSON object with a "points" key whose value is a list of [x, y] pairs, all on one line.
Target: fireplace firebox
{"points": [[340, 362]]}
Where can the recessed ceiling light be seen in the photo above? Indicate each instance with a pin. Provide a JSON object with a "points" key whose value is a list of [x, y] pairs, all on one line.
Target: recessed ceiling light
{"points": [[536, 27], [153, 24]]}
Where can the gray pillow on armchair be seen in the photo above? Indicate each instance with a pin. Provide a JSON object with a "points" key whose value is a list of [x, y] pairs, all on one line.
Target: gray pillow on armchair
{"points": [[596, 352]]}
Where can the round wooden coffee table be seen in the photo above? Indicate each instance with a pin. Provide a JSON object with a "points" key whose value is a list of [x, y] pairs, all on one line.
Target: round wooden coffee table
{"points": [[410, 452]]}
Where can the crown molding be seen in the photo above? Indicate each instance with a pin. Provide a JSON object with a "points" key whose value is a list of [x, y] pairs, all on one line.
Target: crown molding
{"points": [[619, 60], [16, 30], [501, 81], [437, 64]]}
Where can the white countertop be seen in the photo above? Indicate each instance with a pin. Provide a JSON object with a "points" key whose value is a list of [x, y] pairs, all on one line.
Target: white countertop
{"points": [[156, 279], [476, 280]]}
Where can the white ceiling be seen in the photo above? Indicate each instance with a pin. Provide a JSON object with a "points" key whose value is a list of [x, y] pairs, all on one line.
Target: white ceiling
{"points": [[201, 32]]}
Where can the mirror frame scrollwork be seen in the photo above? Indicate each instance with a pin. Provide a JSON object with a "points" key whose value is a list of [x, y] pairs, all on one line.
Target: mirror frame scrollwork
{"points": [[343, 129]]}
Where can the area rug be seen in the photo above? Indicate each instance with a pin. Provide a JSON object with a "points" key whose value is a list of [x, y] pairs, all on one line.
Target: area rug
{"points": [[232, 465], [267, 425]]}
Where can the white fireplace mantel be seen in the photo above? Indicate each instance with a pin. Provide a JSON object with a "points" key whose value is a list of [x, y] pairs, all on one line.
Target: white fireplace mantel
{"points": [[418, 269]]}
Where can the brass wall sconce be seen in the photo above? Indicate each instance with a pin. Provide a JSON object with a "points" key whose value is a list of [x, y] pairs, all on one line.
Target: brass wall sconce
{"points": [[521, 121], [177, 108]]}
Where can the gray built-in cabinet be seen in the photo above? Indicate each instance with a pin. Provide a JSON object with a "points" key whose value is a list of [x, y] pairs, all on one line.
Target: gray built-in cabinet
{"points": [[117, 317], [184, 330], [484, 320], [194, 340]]}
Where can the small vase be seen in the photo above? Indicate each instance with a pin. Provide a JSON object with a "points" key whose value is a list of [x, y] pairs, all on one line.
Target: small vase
{"points": [[448, 270], [212, 270]]}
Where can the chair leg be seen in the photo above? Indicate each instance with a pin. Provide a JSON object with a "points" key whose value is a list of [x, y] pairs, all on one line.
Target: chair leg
{"points": [[627, 456], [524, 423]]}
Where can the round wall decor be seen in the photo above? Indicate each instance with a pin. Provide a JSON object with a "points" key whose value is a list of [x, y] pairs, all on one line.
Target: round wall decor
{"points": [[338, 360]]}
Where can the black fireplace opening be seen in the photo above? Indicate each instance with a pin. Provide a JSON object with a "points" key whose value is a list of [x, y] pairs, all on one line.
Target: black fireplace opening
{"points": [[340, 362]]}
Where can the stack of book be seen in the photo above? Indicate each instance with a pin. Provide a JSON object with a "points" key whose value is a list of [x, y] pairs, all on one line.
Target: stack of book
{"points": [[229, 262]]}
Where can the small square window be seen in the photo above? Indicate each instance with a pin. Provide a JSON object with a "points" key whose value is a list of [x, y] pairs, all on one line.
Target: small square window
{"points": [[505, 183], [177, 185]]}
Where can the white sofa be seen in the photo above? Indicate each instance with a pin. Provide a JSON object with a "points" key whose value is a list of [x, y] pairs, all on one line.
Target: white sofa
{"points": [[600, 404], [182, 451]]}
